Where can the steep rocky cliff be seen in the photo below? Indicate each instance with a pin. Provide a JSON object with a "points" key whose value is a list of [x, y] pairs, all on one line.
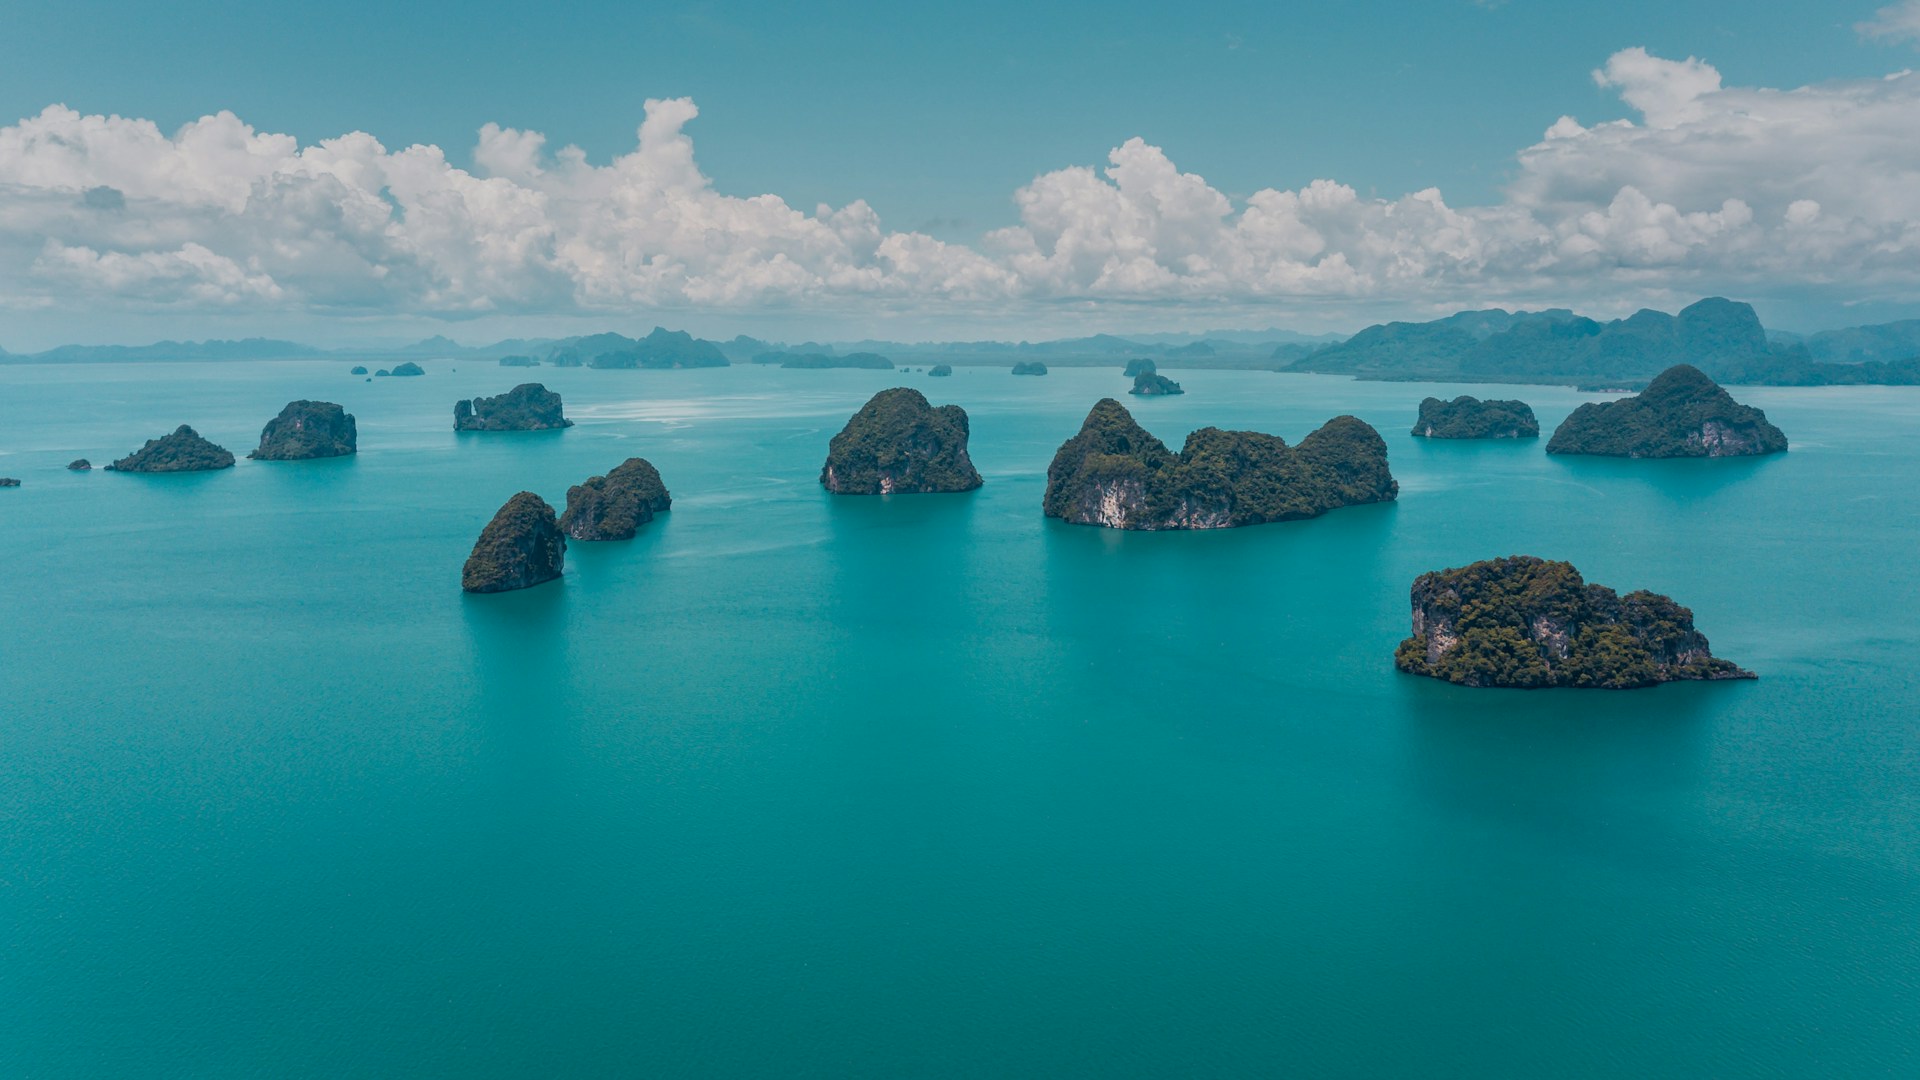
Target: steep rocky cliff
{"points": [[527, 407], [1114, 473], [614, 506], [1471, 418], [1148, 384], [307, 429], [521, 546], [899, 444], [182, 451], [1529, 623], [1682, 413]]}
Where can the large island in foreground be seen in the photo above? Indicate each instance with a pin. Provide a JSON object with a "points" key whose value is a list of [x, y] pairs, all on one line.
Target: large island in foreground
{"points": [[1681, 413], [1530, 623]]}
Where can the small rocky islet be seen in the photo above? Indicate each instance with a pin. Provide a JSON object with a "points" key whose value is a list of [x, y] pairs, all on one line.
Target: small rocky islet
{"points": [[940, 371], [1681, 413], [1151, 384], [521, 547], [527, 407], [614, 506], [1029, 367], [182, 451], [1116, 474], [404, 370], [9, 481], [306, 430], [1529, 623], [899, 444], [79, 465], [1468, 417]]}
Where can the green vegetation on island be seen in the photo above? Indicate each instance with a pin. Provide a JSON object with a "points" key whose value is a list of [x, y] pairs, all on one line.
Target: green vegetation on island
{"points": [[520, 547], [899, 444], [1114, 473], [1471, 418], [1029, 367], [660, 350], [1140, 366], [1148, 384], [527, 407], [614, 506], [307, 429], [1682, 413], [182, 451], [1529, 623]]}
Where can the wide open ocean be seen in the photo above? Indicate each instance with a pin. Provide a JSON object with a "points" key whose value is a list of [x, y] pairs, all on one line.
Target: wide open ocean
{"points": [[800, 785]]}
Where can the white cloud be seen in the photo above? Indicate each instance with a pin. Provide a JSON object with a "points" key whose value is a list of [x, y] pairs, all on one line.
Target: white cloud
{"points": [[1712, 188], [1895, 22]]}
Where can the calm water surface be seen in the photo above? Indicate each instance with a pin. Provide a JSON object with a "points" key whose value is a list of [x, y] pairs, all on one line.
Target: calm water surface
{"points": [[928, 785]]}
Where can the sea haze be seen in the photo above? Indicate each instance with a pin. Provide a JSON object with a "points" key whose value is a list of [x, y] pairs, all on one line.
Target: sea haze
{"points": [[929, 785]]}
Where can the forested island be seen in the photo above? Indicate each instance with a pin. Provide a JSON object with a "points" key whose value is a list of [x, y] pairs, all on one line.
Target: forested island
{"points": [[1029, 367], [1138, 367], [1467, 417], [1528, 623], [182, 451], [614, 506], [1148, 384], [1682, 413], [307, 429], [940, 371], [527, 407], [660, 350], [900, 444], [522, 546], [1116, 474]]}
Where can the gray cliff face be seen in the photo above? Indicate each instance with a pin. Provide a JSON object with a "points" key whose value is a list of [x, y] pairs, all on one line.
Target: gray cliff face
{"points": [[898, 443]]}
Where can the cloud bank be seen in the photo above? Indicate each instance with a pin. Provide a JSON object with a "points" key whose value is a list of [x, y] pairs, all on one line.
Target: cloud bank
{"points": [[1712, 189]]}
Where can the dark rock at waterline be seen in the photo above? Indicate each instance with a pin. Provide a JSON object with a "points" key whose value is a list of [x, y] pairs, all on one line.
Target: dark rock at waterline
{"points": [[1528, 623], [522, 546], [614, 506], [182, 451], [79, 465], [8, 481], [305, 430]]}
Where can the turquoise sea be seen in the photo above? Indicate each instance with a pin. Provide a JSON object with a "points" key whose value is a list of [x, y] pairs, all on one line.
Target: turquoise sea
{"points": [[928, 785]]}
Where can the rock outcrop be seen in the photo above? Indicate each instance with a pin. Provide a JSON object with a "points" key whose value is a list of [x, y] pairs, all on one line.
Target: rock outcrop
{"points": [[79, 465], [899, 444], [407, 368], [358, 371], [614, 506], [1468, 417], [940, 371], [1681, 413], [1148, 384], [527, 407], [1114, 473], [9, 481], [1140, 366], [1530, 623], [1029, 367], [307, 429], [520, 547], [182, 451]]}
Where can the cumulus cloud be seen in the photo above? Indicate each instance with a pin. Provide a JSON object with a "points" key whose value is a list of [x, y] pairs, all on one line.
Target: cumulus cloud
{"points": [[1711, 188], [1895, 22]]}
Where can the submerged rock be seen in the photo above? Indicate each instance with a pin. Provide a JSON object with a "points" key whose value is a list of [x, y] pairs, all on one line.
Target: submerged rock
{"points": [[614, 506], [940, 371], [1148, 384], [1681, 413], [1530, 623], [1029, 367], [899, 444], [1114, 473], [520, 547], [79, 465], [527, 407], [308, 429], [182, 451], [1467, 417], [1140, 366]]}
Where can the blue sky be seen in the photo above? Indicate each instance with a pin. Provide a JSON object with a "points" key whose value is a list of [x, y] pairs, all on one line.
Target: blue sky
{"points": [[932, 118]]}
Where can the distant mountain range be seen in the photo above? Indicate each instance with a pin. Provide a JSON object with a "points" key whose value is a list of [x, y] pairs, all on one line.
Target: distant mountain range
{"points": [[1722, 337]]}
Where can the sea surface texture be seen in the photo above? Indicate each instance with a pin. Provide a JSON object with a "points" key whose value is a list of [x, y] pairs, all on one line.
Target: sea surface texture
{"points": [[803, 785]]}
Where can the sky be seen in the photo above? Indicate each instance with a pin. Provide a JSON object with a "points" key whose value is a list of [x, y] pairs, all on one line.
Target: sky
{"points": [[348, 172]]}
